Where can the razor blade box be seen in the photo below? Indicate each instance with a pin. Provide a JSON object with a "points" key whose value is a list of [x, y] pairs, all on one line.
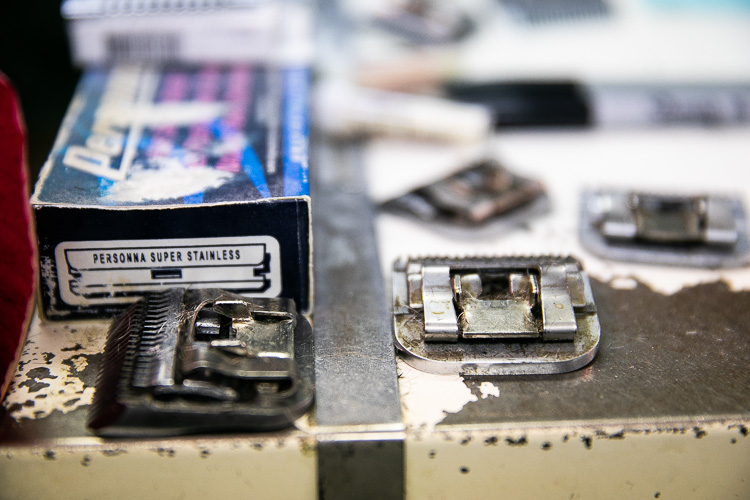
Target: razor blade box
{"points": [[193, 32], [192, 177]]}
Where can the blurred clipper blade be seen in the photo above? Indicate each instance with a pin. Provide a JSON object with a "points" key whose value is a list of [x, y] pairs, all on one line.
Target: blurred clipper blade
{"points": [[184, 361], [544, 11], [478, 195]]}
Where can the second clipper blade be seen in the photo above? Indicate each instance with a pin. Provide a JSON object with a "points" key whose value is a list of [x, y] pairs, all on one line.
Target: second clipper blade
{"points": [[184, 361], [483, 196]]}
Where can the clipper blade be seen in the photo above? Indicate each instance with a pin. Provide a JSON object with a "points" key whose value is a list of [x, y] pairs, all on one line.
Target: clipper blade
{"points": [[185, 361]]}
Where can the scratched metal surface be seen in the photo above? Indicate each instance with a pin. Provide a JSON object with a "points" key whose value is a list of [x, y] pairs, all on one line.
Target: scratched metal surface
{"points": [[679, 358], [354, 353]]}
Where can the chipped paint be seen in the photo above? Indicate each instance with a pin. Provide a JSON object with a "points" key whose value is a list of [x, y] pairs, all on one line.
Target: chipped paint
{"points": [[580, 461], [188, 468], [489, 389], [427, 398], [48, 377]]}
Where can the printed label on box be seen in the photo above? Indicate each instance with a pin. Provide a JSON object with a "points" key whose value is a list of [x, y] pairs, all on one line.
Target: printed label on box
{"points": [[117, 272]]}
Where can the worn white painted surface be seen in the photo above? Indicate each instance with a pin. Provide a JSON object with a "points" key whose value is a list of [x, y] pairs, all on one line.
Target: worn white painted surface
{"points": [[426, 398], [488, 389], [46, 380], [565, 461], [262, 465]]}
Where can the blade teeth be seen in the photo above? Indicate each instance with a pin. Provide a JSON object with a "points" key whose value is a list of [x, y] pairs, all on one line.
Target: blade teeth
{"points": [[124, 329], [130, 353], [158, 309]]}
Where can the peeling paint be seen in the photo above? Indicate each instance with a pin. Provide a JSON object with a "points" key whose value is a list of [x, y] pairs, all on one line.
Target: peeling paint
{"points": [[427, 398], [76, 363], [47, 380], [623, 283], [489, 389]]}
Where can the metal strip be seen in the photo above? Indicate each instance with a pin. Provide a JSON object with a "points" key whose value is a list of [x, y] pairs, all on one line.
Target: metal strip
{"points": [[361, 465], [355, 363]]}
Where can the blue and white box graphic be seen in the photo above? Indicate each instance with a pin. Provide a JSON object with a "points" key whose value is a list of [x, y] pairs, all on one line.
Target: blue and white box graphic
{"points": [[176, 177]]}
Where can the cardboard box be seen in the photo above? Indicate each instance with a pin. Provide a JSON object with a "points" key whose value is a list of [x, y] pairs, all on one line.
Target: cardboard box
{"points": [[102, 31], [176, 177]]}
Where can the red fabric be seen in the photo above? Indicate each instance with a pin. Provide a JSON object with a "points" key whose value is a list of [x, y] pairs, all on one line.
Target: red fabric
{"points": [[16, 251]]}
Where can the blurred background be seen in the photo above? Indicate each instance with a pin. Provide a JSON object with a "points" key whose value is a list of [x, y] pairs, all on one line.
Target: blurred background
{"points": [[34, 54]]}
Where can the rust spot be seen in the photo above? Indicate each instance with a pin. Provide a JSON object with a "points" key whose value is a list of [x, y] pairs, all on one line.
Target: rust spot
{"points": [[71, 363], [432, 454], [307, 447], [76, 347], [166, 452], [15, 407], [113, 453], [40, 373], [546, 446], [491, 441], [48, 357], [71, 402], [587, 441], [516, 442], [205, 454], [466, 441], [743, 430], [33, 385], [699, 433], [617, 435], [86, 461], [464, 470], [49, 455], [34, 377], [657, 494]]}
